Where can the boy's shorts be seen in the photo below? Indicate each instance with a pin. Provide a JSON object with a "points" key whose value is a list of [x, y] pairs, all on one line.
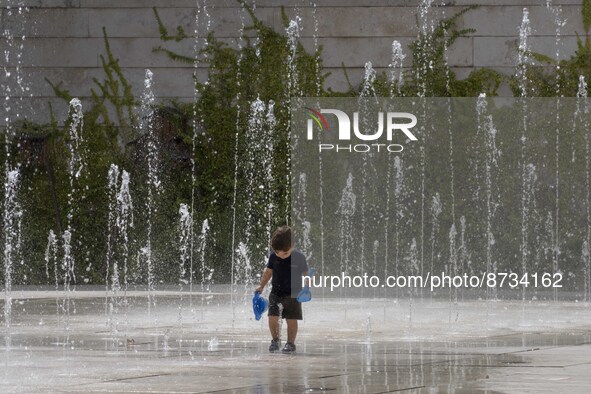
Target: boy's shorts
{"points": [[292, 308]]}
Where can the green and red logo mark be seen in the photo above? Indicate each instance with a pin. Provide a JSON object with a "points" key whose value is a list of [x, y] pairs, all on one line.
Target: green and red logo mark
{"points": [[318, 118]]}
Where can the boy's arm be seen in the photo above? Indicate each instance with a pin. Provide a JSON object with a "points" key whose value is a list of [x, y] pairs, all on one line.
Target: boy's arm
{"points": [[267, 274]]}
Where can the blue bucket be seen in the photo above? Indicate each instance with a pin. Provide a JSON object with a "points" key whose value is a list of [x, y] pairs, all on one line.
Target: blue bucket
{"points": [[305, 295], [259, 305]]}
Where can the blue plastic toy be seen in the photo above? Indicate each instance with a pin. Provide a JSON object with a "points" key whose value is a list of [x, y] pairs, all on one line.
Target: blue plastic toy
{"points": [[259, 305], [304, 295]]}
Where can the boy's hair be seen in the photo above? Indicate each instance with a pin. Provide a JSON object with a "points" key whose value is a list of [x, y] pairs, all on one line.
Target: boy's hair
{"points": [[281, 239]]}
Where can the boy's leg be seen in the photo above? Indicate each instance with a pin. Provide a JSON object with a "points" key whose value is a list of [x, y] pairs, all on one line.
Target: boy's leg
{"points": [[292, 330], [274, 326], [274, 312], [293, 313]]}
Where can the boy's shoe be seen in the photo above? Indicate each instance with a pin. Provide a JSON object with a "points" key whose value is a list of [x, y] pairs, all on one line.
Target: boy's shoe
{"points": [[275, 344], [289, 348]]}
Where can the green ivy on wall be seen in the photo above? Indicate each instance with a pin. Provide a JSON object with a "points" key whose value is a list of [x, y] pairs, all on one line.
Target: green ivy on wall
{"points": [[236, 77]]}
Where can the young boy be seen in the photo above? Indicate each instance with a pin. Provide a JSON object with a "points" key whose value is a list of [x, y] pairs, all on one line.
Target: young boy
{"points": [[286, 266]]}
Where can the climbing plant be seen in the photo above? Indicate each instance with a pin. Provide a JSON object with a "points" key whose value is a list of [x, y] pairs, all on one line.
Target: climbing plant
{"points": [[212, 134]]}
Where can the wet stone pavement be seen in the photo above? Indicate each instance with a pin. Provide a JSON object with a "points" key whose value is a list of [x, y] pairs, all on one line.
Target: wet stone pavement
{"points": [[198, 344]]}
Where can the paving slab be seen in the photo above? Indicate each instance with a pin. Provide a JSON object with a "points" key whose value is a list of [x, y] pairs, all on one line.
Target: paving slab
{"points": [[205, 342]]}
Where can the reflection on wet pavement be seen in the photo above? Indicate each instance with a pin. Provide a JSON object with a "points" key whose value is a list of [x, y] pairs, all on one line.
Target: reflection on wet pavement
{"points": [[344, 346]]}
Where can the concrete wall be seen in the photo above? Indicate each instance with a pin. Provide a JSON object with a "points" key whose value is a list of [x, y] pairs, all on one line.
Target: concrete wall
{"points": [[64, 38]]}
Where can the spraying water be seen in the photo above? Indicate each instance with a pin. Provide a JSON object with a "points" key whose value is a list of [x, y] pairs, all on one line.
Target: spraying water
{"points": [[75, 167], [320, 176], [185, 225], [559, 22], [112, 186], [316, 47], [488, 132], [293, 32], [463, 253], [236, 163], [527, 170], [267, 163], [453, 267], [153, 183], [12, 84], [582, 113], [184, 231], [257, 169], [376, 246], [528, 202], [396, 73], [120, 220], [301, 214], [206, 271], [397, 208], [258, 173], [585, 260], [367, 92], [426, 27], [12, 243], [346, 210], [51, 255], [199, 43], [524, 55], [436, 209], [398, 189], [414, 270], [124, 224]]}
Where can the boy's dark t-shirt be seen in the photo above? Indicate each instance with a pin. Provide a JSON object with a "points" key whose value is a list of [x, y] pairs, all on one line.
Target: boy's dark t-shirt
{"points": [[287, 274]]}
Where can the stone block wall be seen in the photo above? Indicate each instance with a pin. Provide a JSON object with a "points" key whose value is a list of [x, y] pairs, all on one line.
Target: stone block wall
{"points": [[63, 39]]}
